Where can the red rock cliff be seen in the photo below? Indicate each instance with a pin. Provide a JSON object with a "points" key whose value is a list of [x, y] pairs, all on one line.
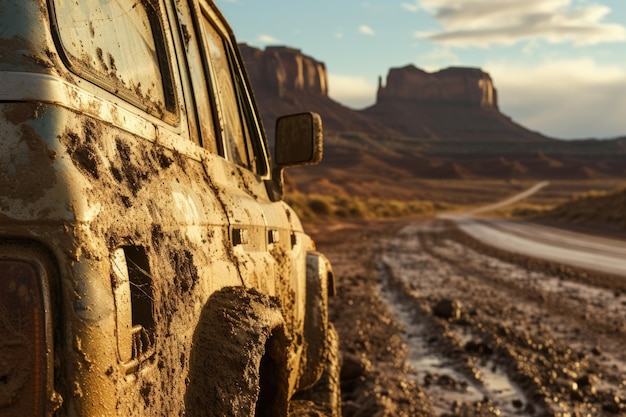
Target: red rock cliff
{"points": [[465, 86], [280, 70]]}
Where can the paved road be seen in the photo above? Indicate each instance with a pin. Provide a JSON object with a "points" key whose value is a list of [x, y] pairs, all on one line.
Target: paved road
{"points": [[570, 248]]}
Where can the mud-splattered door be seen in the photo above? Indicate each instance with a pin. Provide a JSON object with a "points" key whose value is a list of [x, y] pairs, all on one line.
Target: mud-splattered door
{"points": [[232, 131]]}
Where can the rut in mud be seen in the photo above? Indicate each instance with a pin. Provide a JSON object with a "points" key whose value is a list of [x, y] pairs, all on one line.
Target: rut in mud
{"points": [[479, 335]]}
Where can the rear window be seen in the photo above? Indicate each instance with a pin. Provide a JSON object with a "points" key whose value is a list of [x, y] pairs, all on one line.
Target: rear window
{"points": [[118, 44]]}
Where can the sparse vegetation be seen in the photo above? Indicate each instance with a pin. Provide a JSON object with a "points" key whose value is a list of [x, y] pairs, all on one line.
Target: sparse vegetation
{"points": [[316, 207], [580, 202]]}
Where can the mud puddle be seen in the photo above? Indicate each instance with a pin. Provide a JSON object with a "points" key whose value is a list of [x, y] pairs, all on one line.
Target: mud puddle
{"points": [[445, 379]]}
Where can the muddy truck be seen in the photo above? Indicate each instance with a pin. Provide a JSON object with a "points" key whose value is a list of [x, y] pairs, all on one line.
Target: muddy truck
{"points": [[148, 265]]}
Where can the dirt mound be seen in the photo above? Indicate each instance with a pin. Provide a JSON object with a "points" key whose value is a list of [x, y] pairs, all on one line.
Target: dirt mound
{"points": [[593, 209]]}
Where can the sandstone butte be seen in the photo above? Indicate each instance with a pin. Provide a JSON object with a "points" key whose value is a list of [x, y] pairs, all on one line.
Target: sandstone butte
{"points": [[454, 104]]}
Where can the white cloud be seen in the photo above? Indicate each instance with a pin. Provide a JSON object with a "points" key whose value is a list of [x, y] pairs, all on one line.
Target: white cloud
{"points": [[267, 39], [575, 98], [366, 30], [437, 58], [356, 92], [500, 22], [411, 7]]}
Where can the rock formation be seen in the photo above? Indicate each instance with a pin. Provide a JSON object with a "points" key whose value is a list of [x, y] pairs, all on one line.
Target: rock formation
{"points": [[465, 86], [424, 125], [287, 81], [280, 70], [451, 104], [454, 104]]}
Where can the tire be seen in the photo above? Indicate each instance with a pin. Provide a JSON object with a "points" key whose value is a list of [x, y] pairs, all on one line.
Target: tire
{"points": [[316, 324], [238, 362], [324, 398]]}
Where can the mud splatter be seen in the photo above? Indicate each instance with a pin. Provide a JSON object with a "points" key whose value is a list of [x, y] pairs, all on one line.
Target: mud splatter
{"points": [[186, 272]]}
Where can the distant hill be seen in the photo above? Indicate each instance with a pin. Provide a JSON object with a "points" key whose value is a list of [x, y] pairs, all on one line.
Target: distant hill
{"points": [[423, 125]]}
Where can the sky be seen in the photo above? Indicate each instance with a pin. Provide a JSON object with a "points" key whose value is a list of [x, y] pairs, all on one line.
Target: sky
{"points": [[559, 66]]}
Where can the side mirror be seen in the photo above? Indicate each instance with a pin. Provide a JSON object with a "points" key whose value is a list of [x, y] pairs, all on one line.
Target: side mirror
{"points": [[299, 141]]}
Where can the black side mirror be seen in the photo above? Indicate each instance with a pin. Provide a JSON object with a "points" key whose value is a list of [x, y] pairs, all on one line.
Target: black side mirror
{"points": [[299, 141]]}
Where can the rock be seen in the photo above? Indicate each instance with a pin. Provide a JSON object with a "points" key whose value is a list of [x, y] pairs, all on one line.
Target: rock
{"points": [[448, 309], [474, 346], [428, 379], [286, 81], [350, 408], [458, 104], [354, 367], [587, 380], [611, 407], [451, 104], [447, 382]]}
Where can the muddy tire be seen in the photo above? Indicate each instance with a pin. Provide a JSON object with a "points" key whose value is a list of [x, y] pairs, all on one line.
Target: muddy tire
{"points": [[324, 398], [316, 324], [238, 363]]}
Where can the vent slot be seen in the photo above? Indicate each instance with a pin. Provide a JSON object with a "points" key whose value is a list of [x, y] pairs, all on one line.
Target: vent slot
{"points": [[133, 288]]}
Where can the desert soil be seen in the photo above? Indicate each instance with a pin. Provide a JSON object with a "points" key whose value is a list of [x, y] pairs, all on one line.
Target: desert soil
{"points": [[434, 324]]}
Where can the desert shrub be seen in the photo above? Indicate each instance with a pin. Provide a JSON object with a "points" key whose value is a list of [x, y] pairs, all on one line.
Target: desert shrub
{"points": [[321, 205], [527, 211]]}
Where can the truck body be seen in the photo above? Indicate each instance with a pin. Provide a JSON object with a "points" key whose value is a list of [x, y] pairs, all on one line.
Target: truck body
{"points": [[148, 266]]}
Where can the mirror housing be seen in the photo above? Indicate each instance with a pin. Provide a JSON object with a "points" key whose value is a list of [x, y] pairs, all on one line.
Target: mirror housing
{"points": [[299, 141]]}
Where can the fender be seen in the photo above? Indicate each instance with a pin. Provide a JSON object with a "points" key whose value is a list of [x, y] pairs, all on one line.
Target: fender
{"points": [[238, 362]]}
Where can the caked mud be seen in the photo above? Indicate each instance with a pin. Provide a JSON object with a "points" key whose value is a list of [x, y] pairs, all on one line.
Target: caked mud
{"points": [[434, 324]]}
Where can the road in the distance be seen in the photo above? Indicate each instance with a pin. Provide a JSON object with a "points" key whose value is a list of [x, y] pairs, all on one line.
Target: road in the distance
{"points": [[550, 243], [538, 241]]}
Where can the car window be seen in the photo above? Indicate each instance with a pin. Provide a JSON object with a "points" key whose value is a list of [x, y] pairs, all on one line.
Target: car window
{"points": [[118, 44], [235, 129], [205, 113]]}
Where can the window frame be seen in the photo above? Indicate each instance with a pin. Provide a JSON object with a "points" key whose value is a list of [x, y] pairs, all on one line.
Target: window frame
{"points": [[250, 121]]}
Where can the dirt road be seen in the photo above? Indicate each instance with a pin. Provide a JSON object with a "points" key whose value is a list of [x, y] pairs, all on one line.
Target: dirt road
{"points": [[433, 323]]}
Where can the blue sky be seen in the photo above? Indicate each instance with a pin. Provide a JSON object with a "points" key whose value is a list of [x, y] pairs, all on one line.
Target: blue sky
{"points": [[559, 65]]}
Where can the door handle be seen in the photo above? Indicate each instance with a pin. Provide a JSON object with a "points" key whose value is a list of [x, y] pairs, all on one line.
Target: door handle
{"points": [[240, 236]]}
